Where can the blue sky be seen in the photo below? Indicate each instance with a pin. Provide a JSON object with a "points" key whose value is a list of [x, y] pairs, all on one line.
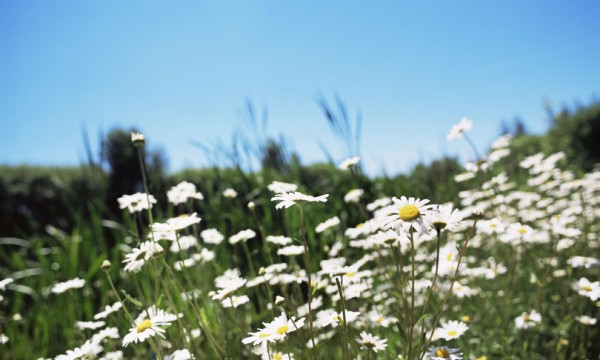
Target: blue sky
{"points": [[181, 71]]}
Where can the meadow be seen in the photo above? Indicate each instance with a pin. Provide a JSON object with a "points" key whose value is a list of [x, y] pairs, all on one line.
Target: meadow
{"points": [[500, 263]]}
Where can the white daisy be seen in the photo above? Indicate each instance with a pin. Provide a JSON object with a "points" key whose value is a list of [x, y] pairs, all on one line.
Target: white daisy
{"points": [[584, 287], [279, 240], [136, 202], [138, 256], [147, 327], [354, 195], [290, 199], [230, 193], [407, 213], [108, 309], [243, 235], [183, 191], [347, 163], [444, 217], [88, 349], [70, 284], [82, 325], [212, 236], [443, 353], [334, 221], [528, 319], [282, 187], [371, 342], [451, 330], [586, 320], [234, 301], [459, 129], [291, 250]]}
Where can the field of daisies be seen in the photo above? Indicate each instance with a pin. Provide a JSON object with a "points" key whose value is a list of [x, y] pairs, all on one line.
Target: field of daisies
{"points": [[283, 271]]}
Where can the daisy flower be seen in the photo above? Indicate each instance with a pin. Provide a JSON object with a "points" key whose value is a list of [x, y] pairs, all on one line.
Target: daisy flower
{"points": [[587, 288], [180, 355], [451, 330], [354, 195], [183, 191], [406, 213], [459, 129], [234, 301], [333, 318], [212, 236], [230, 193], [60, 288], [93, 325], [377, 318], [369, 341], [279, 240], [528, 319], [292, 198], [281, 187], [138, 256], [281, 326], [291, 250], [444, 217], [243, 235], [443, 353], [586, 320], [147, 327], [275, 330], [136, 202], [177, 223], [334, 221], [108, 309], [88, 350], [186, 242], [347, 163]]}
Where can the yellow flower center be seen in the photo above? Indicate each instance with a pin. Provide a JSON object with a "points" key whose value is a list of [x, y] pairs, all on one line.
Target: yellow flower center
{"points": [[183, 216], [277, 356], [492, 225], [360, 225], [587, 287], [146, 324], [482, 357], [466, 318], [351, 274], [409, 213], [452, 333], [380, 319], [522, 231], [443, 353], [527, 317], [283, 330], [449, 256], [263, 335]]}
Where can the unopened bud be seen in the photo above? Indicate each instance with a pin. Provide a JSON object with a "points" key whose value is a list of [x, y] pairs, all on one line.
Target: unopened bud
{"points": [[251, 205], [279, 300], [477, 214], [105, 265]]}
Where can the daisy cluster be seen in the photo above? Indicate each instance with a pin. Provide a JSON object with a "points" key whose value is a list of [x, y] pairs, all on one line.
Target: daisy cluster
{"points": [[411, 278]]}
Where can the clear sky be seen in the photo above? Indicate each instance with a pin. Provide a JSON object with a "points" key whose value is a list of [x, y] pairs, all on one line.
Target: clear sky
{"points": [[181, 71]]}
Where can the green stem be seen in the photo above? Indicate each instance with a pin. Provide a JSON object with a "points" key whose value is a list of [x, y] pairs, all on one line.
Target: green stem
{"points": [[308, 273]]}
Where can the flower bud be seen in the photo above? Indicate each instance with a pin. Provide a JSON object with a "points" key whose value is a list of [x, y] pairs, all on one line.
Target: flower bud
{"points": [[105, 265]]}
